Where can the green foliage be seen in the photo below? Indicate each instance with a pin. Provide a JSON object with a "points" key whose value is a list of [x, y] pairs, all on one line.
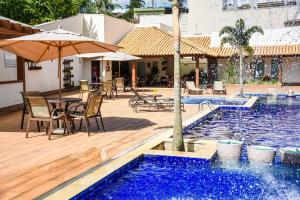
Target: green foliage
{"points": [[14, 9], [129, 14], [102, 6], [261, 82], [230, 74], [39, 11], [136, 4]]}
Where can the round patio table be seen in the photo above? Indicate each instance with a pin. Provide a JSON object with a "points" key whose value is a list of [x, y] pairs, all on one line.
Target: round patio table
{"points": [[96, 85], [66, 100]]}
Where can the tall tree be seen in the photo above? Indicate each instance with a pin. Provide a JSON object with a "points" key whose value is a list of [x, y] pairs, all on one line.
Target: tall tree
{"points": [[14, 9], [106, 6], [136, 4], [39, 11], [129, 14], [238, 36], [178, 143]]}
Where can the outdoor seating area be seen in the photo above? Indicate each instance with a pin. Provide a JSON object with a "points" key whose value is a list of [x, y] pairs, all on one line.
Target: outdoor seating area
{"points": [[62, 110]]}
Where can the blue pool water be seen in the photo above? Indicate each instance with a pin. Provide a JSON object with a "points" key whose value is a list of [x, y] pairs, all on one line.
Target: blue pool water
{"points": [[272, 122], [161, 177], [215, 100]]}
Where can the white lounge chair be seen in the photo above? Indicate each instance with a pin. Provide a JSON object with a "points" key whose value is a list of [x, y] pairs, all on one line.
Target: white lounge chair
{"points": [[218, 88], [191, 88]]}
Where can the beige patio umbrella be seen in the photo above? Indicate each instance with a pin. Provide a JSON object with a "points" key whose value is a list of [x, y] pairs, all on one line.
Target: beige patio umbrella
{"points": [[55, 44]]}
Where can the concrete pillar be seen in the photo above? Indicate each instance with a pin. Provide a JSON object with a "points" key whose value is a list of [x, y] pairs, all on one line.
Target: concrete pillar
{"points": [[133, 74], [197, 72]]}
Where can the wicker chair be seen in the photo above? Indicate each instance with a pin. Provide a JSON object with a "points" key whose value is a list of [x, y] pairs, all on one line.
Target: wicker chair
{"points": [[91, 109], [26, 109], [119, 84], [40, 111], [108, 88], [84, 88]]}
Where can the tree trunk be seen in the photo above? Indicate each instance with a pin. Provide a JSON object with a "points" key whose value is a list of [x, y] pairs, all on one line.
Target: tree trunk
{"points": [[178, 144], [241, 73]]}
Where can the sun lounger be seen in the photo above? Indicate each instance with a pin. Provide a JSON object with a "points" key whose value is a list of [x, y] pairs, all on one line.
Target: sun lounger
{"points": [[138, 101], [218, 88], [191, 88]]}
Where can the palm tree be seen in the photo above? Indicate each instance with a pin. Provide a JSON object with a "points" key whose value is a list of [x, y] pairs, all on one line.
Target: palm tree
{"points": [[178, 143], [239, 37], [129, 14], [106, 6], [136, 4]]}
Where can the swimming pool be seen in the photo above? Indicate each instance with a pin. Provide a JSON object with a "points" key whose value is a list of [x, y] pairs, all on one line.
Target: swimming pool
{"points": [[272, 122], [215, 100], [164, 177]]}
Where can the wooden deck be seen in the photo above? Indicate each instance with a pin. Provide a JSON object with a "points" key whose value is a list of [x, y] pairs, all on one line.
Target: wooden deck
{"points": [[31, 167]]}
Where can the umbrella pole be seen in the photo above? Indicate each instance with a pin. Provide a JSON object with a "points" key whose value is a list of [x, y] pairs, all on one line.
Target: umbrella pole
{"points": [[59, 70], [101, 70], [119, 69]]}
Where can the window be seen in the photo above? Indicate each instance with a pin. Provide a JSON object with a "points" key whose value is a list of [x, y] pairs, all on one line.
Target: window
{"points": [[11, 67], [141, 68], [248, 4], [10, 60], [243, 4]]}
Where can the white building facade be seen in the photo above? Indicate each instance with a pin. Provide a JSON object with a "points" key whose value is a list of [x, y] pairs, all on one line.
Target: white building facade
{"points": [[208, 16]]}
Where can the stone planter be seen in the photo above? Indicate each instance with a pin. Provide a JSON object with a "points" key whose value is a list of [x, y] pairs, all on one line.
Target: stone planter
{"points": [[229, 149], [290, 155], [261, 153]]}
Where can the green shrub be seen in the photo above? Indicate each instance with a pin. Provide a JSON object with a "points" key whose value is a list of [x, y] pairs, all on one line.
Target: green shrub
{"points": [[230, 74]]}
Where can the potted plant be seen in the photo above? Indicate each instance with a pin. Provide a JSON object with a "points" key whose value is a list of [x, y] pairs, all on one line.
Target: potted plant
{"points": [[290, 155], [261, 153], [229, 149]]}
